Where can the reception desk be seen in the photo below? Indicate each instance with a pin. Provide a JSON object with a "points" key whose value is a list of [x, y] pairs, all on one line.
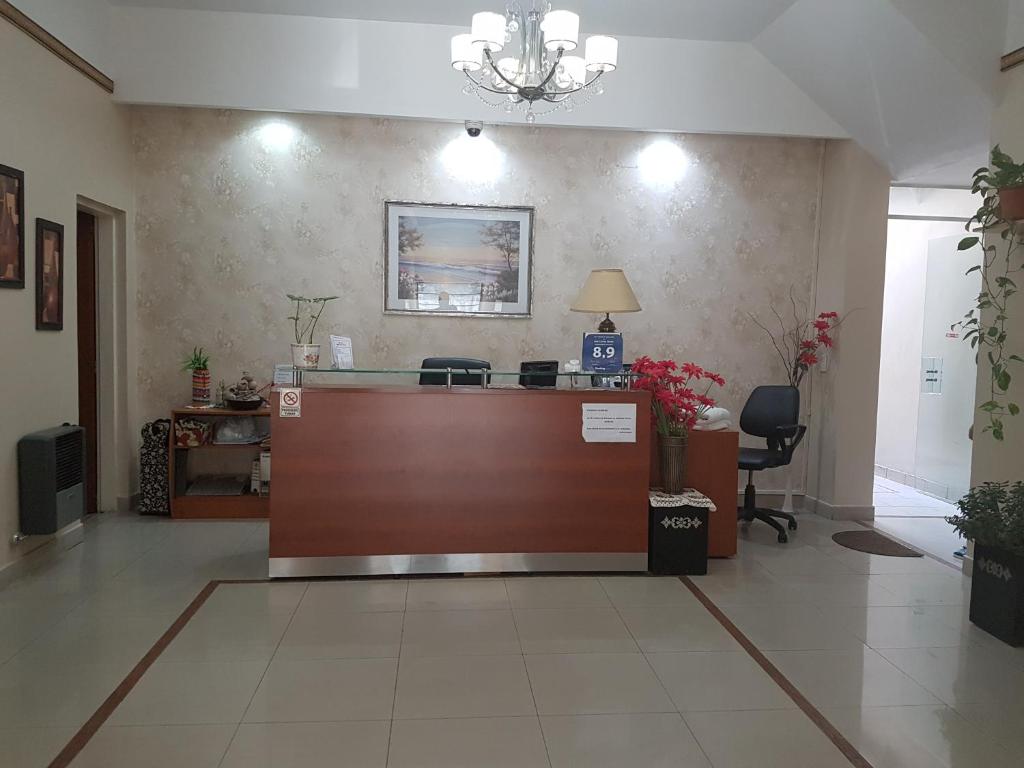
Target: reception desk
{"points": [[409, 479]]}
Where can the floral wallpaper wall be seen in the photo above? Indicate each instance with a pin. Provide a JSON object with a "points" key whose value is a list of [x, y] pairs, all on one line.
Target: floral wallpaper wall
{"points": [[236, 209]]}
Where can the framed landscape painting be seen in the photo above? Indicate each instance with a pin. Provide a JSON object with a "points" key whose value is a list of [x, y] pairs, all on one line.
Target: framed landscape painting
{"points": [[49, 276], [12, 228], [458, 260]]}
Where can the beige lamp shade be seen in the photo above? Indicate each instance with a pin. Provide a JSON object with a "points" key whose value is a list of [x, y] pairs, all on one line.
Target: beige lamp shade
{"points": [[606, 290]]}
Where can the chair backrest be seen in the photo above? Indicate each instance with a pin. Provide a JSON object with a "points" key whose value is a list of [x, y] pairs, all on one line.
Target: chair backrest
{"points": [[539, 373], [464, 364], [768, 408]]}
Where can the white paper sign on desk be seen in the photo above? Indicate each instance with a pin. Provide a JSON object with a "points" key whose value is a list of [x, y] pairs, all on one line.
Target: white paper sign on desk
{"points": [[609, 422], [341, 352]]}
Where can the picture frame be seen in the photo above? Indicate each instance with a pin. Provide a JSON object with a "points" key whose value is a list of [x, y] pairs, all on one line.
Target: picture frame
{"points": [[49, 276], [12, 227], [453, 260]]}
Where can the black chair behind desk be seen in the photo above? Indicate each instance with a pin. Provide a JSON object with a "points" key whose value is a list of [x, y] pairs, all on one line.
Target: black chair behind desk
{"points": [[771, 412], [463, 364], [538, 373]]}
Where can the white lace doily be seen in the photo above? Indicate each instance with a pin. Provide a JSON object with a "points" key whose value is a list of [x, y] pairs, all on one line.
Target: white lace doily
{"points": [[688, 498]]}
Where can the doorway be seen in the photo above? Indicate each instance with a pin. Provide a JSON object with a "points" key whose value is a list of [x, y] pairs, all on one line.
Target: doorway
{"points": [[88, 362]]}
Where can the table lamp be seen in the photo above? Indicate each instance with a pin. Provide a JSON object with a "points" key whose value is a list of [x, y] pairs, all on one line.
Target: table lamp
{"points": [[606, 290]]}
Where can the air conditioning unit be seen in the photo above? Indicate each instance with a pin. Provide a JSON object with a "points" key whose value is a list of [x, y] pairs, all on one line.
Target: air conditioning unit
{"points": [[51, 479]]}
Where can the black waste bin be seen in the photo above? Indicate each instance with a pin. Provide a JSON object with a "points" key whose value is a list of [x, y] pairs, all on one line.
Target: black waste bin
{"points": [[677, 539]]}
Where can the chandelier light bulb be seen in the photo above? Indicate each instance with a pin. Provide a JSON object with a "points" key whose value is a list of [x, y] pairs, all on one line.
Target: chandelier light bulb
{"points": [[561, 30], [465, 55], [488, 30], [602, 53], [573, 71]]}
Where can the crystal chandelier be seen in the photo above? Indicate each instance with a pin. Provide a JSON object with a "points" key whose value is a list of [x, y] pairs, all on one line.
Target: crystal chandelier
{"points": [[537, 74]]}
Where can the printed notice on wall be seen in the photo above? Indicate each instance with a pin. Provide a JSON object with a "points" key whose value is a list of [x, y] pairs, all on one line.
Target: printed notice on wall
{"points": [[609, 422]]}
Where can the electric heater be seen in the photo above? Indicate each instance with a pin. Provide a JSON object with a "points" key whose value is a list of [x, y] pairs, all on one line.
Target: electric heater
{"points": [[51, 479]]}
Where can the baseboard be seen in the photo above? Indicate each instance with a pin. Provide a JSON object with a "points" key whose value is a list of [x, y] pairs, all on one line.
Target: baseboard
{"points": [[41, 549], [838, 511], [928, 487]]}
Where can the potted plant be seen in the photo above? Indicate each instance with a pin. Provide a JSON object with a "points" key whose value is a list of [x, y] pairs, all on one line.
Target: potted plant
{"points": [[306, 354], [1002, 185], [675, 407], [992, 515], [199, 363]]}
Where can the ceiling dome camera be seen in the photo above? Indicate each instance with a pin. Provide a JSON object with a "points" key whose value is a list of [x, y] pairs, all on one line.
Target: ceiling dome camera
{"points": [[474, 128]]}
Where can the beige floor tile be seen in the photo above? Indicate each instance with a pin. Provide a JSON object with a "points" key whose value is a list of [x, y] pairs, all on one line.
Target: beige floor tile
{"points": [[100, 639], [922, 626], [329, 635], [499, 742], [33, 747], [704, 682], [1001, 722], [919, 737], [855, 678], [642, 591], [190, 693], [615, 741], [730, 592], [324, 689], [596, 683], [463, 686], [230, 636], [457, 595], [355, 596], [669, 628], [963, 675], [39, 695], [927, 589], [845, 589], [763, 739], [278, 597], [459, 633], [790, 628], [309, 745], [573, 630], [156, 746], [556, 592]]}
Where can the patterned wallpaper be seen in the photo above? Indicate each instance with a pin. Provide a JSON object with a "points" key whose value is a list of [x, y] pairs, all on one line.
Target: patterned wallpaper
{"points": [[232, 215]]}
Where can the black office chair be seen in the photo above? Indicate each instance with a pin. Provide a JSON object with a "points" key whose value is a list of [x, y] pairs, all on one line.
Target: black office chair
{"points": [[465, 364], [772, 413], [538, 373]]}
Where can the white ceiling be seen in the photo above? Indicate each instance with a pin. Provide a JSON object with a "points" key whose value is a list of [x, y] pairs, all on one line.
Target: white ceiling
{"points": [[730, 20]]}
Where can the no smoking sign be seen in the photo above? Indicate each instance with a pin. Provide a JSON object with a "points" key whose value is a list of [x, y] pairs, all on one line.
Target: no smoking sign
{"points": [[291, 403]]}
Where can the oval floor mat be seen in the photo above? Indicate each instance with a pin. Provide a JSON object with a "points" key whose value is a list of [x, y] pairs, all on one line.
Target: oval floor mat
{"points": [[873, 543]]}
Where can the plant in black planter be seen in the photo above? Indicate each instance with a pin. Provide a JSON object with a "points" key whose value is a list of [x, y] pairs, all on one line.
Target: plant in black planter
{"points": [[992, 515]]}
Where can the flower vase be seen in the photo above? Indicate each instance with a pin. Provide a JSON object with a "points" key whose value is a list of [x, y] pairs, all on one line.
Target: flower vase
{"points": [[201, 386], [305, 355], [672, 453]]}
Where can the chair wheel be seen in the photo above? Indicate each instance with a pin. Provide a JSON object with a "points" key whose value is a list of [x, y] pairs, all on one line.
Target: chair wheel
{"points": [[783, 538], [792, 525]]}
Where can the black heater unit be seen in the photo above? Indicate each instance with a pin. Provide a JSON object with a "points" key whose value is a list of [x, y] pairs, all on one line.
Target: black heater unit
{"points": [[51, 479]]}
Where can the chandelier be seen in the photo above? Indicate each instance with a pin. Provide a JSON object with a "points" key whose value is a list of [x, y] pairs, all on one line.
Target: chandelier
{"points": [[537, 73]]}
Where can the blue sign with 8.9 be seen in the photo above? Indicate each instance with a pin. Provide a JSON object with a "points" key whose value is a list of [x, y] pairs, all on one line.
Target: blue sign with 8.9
{"points": [[602, 352]]}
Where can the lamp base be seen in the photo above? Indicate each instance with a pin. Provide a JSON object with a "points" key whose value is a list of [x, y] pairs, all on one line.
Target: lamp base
{"points": [[606, 326]]}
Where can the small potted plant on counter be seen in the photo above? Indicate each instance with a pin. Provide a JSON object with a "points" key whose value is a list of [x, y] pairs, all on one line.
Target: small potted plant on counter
{"points": [[306, 354], [199, 364], [992, 515], [1001, 184], [675, 407]]}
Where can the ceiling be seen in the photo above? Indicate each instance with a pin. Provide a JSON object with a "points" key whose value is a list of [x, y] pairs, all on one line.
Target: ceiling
{"points": [[726, 20]]}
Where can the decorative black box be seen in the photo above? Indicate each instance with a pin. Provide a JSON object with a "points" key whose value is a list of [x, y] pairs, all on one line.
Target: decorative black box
{"points": [[677, 541], [997, 598]]}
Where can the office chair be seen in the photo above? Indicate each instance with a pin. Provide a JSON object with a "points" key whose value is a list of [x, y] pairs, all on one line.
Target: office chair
{"points": [[538, 373], [771, 412], [465, 364]]}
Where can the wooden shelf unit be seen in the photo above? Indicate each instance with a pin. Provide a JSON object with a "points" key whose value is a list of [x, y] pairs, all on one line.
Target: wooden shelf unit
{"points": [[248, 505]]}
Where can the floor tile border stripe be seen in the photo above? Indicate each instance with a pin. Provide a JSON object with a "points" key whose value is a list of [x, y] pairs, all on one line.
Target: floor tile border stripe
{"points": [[849, 751], [106, 709]]}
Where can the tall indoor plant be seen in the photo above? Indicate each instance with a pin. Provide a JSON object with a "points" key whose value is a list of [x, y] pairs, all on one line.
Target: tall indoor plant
{"points": [[675, 407], [199, 364], [306, 354]]}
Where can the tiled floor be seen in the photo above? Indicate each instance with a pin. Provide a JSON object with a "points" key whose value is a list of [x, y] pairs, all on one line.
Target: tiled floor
{"points": [[528, 671], [916, 518]]}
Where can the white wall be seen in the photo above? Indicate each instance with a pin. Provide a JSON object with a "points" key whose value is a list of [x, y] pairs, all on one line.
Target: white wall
{"points": [[70, 139], [82, 25], [303, 64]]}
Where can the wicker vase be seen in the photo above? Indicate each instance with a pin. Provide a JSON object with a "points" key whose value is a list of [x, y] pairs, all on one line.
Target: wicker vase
{"points": [[672, 453], [201, 386]]}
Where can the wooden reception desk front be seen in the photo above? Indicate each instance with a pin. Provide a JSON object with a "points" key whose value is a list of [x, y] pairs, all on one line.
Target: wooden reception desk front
{"points": [[397, 480]]}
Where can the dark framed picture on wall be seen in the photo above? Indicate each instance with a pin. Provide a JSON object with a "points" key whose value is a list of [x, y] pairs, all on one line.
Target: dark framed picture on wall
{"points": [[49, 276], [458, 260], [12, 228]]}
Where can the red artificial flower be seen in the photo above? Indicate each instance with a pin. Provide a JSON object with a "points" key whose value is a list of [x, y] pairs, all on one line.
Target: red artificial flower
{"points": [[715, 378], [825, 340], [692, 371], [808, 358], [822, 325], [829, 315], [810, 344]]}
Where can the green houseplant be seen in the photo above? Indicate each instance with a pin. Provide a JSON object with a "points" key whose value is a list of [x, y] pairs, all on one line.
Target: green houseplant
{"points": [[992, 516], [306, 354], [199, 364]]}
